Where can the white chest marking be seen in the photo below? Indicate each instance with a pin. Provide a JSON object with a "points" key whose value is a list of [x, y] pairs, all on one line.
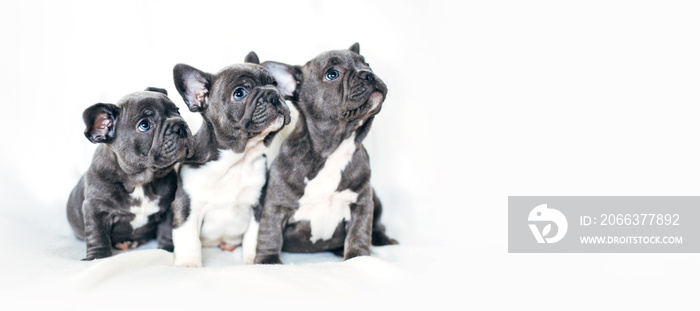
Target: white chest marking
{"points": [[141, 212], [321, 204], [222, 193]]}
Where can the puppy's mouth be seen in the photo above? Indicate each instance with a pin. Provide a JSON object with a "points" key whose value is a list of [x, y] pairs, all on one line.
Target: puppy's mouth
{"points": [[357, 91], [359, 111], [275, 125], [272, 127], [371, 106], [170, 154], [173, 150]]}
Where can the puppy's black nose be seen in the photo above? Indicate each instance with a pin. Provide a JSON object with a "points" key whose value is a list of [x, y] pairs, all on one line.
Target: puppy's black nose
{"points": [[366, 75], [177, 128], [272, 98]]}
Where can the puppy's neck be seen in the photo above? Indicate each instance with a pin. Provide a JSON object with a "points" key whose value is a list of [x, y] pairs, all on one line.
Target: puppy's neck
{"points": [[112, 169], [207, 145], [326, 135]]}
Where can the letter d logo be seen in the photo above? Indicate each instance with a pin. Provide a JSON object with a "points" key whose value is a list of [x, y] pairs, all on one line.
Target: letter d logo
{"points": [[542, 213]]}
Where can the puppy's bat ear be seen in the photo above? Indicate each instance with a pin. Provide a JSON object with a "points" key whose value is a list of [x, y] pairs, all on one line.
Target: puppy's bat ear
{"points": [[193, 85], [252, 58], [156, 89], [355, 48], [288, 77], [100, 122]]}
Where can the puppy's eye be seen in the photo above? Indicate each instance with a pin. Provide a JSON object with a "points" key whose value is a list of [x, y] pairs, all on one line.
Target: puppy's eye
{"points": [[239, 93], [332, 74], [144, 126]]}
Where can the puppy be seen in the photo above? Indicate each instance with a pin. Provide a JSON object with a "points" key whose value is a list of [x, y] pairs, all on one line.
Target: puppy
{"points": [[318, 195], [220, 186], [124, 198]]}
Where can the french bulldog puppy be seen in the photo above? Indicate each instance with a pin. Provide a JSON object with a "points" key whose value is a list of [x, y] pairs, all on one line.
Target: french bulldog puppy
{"points": [[219, 189], [318, 196], [124, 198]]}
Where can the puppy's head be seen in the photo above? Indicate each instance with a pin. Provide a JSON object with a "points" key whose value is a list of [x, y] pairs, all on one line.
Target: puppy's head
{"points": [[241, 101], [336, 85], [144, 129]]}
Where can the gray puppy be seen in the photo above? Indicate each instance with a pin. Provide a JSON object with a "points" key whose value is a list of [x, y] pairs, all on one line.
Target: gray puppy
{"points": [[318, 195], [124, 198], [221, 185]]}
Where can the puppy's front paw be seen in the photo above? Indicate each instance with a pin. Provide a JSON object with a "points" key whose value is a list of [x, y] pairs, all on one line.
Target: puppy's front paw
{"points": [[184, 261], [352, 253], [228, 247], [166, 246], [93, 254], [268, 259], [187, 264], [248, 260], [248, 257], [381, 239], [126, 245]]}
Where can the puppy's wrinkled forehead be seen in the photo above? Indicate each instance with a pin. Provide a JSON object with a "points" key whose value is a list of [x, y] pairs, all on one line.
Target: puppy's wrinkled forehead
{"points": [[137, 104], [339, 58], [250, 75]]}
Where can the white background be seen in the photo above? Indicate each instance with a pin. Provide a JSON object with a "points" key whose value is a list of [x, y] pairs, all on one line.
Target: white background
{"points": [[486, 99]]}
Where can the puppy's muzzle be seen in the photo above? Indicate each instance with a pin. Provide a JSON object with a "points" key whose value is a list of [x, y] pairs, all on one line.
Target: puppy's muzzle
{"points": [[177, 139], [268, 106], [366, 92], [362, 82]]}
